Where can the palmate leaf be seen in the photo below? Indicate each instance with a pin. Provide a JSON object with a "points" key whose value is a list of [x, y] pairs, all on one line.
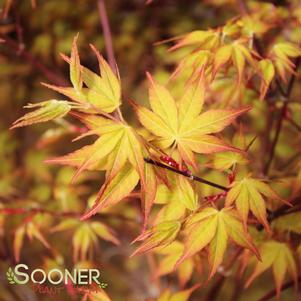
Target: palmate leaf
{"points": [[182, 125], [119, 150], [159, 235], [114, 189], [32, 231], [171, 255], [247, 194], [281, 54], [289, 222], [46, 111], [102, 92], [279, 257], [267, 73], [85, 235], [211, 227], [118, 143]]}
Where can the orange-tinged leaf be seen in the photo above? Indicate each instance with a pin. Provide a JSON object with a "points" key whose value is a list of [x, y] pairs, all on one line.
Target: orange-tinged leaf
{"points": [[211, 227], [104, 232], [197, 37], [152, 122], [206, 144], [82, 241], [289, 222], [135, 154], [149, 195], [239, 55], [114, 190], [33, 231], [47, 110], [214, 121], [236, 231], [199, 235], [159, 235], [110, 83], [163, 104], [186, 129], [18, 242], [247, 195], [218, 246], [185, 272], [191, 103], [278, 256], [75, 70], [221, 57], [186, 194], [267, 72], [174, 210], [90, 155]]}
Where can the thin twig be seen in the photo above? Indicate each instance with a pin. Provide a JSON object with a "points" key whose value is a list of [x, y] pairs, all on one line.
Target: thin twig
{"points": [[107, 34], [283, 114], [47, 72], [242, 7], [294, 124], [185, 174], [74, 214], [273, 292], [215, 289]]}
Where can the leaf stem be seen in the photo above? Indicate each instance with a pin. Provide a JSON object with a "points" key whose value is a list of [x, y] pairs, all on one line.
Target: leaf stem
{"points": [[271, 294], [185, 174]]}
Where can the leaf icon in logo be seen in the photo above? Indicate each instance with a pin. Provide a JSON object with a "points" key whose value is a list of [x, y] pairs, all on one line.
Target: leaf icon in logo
{"points": [[10, 276]]}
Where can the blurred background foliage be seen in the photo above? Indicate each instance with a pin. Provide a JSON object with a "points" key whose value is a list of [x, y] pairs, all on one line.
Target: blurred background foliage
{"points": [[37, 31]]}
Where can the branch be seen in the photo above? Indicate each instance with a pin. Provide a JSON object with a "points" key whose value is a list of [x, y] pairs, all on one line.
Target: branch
{"points": [[185, 174], [215, 289], [17, 211], [47, 72], [294, 124], [74, 214], [273, 292], [107, 33], [281, 118], [242, 7]]}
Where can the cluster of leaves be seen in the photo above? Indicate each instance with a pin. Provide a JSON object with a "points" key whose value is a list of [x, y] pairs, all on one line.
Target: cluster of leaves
{"points": [[232, 80]]}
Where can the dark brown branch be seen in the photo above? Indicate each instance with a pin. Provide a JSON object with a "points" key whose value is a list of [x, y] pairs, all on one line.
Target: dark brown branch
{"points": [[294, 124], [215, 289], [107, 33], [273, 292], [185, 174], [283, 114], [47, 72]]}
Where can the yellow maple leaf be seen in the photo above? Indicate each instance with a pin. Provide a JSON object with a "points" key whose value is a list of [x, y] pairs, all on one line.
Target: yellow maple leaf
{"points": [[211, 227], [247, 194], [278, 256], [182, 126]]}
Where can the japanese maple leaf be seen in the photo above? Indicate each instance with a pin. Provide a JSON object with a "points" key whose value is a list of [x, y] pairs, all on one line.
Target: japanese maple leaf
{"points": [[279, 257], [247, 194], [211, 227], [119, 151], [181, 125]]}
